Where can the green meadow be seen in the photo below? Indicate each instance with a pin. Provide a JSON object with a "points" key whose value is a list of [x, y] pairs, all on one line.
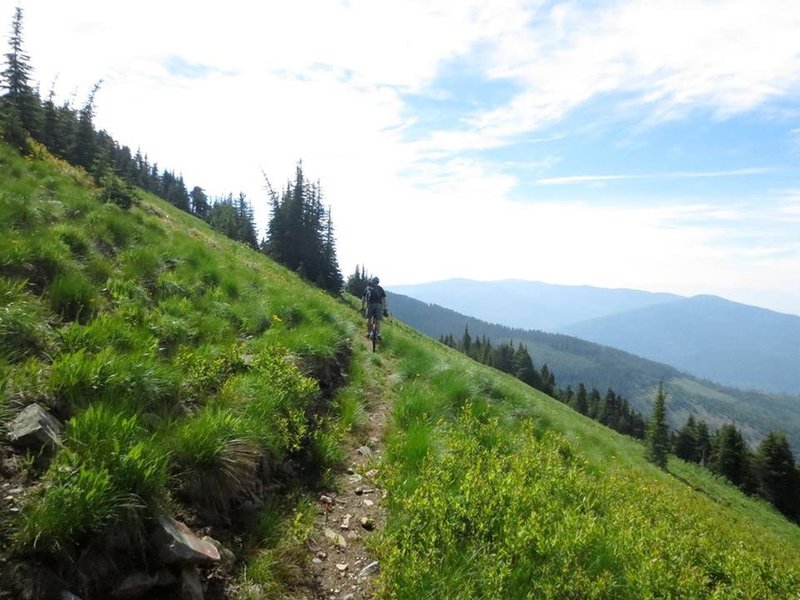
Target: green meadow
{"points": [[192, 373]]}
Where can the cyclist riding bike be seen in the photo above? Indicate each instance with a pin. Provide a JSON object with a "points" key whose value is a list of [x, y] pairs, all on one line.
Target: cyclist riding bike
{"points": [[373, 301]]}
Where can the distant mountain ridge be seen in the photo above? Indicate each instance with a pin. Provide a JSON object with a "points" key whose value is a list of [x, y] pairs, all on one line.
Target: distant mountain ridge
{"points": [[733, 344], [710, 337], [530, 304], [573, 360]]}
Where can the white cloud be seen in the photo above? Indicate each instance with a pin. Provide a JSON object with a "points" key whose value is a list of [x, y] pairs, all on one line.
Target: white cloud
{"points": [[329, 82]]}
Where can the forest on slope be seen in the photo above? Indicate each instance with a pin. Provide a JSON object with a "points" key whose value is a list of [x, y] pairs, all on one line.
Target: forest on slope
{"points": [[573, 361]]}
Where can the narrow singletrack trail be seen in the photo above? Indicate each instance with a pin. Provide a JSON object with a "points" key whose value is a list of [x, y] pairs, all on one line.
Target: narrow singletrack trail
{"points": [[352, 511]]}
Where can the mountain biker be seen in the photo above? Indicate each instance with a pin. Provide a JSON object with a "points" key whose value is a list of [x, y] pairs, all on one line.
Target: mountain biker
{"points": [[373, 302]]}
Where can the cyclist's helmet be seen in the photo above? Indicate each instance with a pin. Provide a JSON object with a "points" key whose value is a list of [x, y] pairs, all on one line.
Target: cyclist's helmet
{"points": [[375, 280]]}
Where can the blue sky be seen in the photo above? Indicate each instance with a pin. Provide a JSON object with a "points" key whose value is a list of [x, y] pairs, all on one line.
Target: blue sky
{"points": [[644, 144]]}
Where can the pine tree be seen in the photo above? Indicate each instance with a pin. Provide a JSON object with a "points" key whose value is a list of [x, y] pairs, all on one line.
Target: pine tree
{"points": [[579, 402], [199, 201], [731, 456], [523, 369], [657, 435], [685, 445], [357, 282], [20, 104], [300, 232], [777, 474], [84, 150]]}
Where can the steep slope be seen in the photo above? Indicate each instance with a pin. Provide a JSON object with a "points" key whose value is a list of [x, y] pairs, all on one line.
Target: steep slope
{"points": [[167, 397], [529, 304], [573, 360], [710, 337], [197, 378]]}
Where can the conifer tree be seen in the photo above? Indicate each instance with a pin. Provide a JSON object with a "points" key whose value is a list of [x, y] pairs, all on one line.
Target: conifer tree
{"points": [[731, 456], [579, 402], [198, 200], [300, 233], [685, 445], [777, 474], [84, 150], [657, 435], [357, 282], [20, 103]]}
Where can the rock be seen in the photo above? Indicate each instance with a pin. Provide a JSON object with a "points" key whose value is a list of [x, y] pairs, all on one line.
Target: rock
{"points": [[176, 543], [367, 523], [227, 557], [135, 585], [365, 451], [369, 569], [368, 502], [335, 538], [342, 567], [346, 522], [34, 427], [364, 490], [191, 586]]}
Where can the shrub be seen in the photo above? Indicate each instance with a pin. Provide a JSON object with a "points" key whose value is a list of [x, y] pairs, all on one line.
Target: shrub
{"points": [[35, 258], [109, 472], [79, 378], [74, 237], [104, 437], [273, 398], [73, 296], [214, 462], [23, 329], [207, 368], [116, 190], [71, 506]]}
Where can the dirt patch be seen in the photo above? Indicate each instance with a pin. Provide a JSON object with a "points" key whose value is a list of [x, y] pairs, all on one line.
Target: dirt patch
{"points": [[341, 559]]}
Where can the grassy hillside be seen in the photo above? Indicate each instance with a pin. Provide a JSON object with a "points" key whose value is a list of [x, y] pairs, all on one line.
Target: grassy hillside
{"points": [[574, 360], [190, 374], [197, 378]]}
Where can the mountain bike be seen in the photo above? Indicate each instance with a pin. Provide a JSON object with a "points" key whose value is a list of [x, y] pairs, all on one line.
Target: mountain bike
{"points": [[373, 336]]}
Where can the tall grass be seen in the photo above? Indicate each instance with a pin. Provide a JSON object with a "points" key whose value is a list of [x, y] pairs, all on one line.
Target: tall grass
{"points": [[108, 473]]}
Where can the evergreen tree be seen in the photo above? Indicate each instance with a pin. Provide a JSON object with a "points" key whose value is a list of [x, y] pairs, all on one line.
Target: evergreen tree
{"points": [[593, 407], [357, 282], [300, 233], [198, 201], [777, 475], [731, 456], [685, 445], [579, 402], [84, 150], [547, 381], [523, 369], [20, 103], [657, 435], [703, 443]]}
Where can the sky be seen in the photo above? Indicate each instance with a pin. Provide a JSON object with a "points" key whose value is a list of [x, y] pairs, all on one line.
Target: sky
{"points": [[634, 144]]}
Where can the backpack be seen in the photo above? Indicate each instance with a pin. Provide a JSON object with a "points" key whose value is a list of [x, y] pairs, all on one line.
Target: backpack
{"points": [[374, 294]]}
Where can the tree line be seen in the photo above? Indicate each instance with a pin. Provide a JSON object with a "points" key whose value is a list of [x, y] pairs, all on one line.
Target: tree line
{"points": [[769, 472], [69, 133], [610, 409]]}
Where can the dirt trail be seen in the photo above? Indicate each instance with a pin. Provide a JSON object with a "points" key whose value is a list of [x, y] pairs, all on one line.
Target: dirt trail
{"points": [[352, 512]]}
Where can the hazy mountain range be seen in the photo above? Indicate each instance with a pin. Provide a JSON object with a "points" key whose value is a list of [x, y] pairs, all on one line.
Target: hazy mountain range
{"points": [[574, 361], [707, 336]]}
